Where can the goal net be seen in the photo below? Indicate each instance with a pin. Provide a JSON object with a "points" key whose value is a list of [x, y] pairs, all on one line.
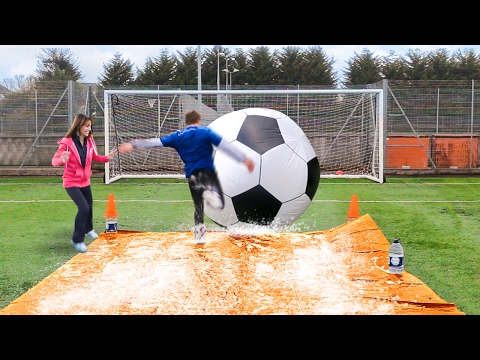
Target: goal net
{"points": [[344, 126]]}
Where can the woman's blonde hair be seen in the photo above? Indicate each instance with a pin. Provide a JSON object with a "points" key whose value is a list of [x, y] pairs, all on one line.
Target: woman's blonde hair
{"points": [[78, 122]]}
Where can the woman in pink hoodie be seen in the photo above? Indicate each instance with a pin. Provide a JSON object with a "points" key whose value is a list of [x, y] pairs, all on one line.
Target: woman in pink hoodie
{"points": [[76, 152]]}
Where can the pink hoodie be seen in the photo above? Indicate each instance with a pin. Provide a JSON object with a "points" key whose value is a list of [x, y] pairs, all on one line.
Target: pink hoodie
{"points": [[74, 175]]}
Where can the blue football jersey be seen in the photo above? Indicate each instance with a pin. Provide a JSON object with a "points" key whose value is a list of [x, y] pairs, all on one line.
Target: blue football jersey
{"points": [[195, 145]]}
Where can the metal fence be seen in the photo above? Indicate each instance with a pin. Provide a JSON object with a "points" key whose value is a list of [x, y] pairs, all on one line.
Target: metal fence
{"points": [[432, 124], [428, 124]]}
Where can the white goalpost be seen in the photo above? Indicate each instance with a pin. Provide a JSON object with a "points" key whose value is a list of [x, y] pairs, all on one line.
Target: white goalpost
{"points": [[344, 126]]}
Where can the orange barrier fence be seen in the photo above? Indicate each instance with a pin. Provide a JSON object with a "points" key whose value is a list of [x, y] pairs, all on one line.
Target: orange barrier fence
{"points": [[338, 271]]}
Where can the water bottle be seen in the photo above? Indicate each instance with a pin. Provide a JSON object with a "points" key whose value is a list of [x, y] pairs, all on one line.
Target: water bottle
{"points": [[111, 224], [396, 258]]}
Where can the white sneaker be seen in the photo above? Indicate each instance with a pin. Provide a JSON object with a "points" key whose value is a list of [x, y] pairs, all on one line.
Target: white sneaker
{"points": [[92, 234], [80, 247], [213, 199], [200, 234]]}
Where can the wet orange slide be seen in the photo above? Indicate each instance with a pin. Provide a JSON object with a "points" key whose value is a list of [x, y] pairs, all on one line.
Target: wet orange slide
{"points": [[338, 271]]}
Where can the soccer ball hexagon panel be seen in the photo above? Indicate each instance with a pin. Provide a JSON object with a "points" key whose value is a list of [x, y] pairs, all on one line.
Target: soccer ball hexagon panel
{"points": [[286, 174]]}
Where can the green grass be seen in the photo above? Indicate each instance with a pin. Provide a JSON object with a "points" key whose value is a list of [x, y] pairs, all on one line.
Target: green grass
{"points": [[436, 218]]}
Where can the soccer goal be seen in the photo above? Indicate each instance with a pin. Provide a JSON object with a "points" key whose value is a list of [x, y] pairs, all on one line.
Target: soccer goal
{"points": [[344, 126]]}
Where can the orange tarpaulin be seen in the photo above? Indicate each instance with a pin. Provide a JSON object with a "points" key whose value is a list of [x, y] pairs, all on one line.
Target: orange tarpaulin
{"points": [[338, 271]]}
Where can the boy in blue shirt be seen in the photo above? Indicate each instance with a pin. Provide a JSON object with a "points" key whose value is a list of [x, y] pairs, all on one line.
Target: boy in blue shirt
{"points": [[195, 144]]}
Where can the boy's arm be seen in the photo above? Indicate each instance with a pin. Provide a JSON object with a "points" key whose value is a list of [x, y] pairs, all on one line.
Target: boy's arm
{"points": [[146, 143], [237, 155], [139, 144]]}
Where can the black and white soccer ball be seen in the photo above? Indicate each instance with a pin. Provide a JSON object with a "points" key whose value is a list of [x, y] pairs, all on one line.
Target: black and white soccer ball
{"points": [[286, 174]]}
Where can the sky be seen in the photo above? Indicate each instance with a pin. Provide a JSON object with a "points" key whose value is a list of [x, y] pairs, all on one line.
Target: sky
{"points": [[23, 59]]}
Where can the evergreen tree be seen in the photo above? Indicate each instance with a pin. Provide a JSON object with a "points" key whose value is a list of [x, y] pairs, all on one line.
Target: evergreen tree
{"points": [[211, 66], [117, 72], [416, 65], [241, 60], [187, 67], [290, 63], [364, 68], [393, 67], [439, 65], [56, 64], [262, 67], [317, 68], [466, 65], [158, 71]]}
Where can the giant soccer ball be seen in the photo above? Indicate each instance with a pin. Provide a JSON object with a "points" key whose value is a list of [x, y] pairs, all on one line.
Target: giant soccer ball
{"points": [[286, 175]]}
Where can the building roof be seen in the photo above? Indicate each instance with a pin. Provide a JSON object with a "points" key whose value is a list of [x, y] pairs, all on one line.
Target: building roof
{"points": [[3, 90]]}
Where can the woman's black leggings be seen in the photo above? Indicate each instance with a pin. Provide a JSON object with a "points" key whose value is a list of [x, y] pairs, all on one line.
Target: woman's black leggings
{"points": [[198, 182], [82, 197]]}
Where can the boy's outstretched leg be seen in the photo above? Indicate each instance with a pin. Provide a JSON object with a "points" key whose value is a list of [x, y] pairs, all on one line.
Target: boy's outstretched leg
{"points": [[196, 190], [213, 198], [212, 193]]}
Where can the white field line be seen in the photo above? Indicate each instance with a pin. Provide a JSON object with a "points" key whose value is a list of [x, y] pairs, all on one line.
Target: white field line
{"points": [[314, 201], [185, 183]]}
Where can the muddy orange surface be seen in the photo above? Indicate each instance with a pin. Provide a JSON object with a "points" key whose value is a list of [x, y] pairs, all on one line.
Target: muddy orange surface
{"points": [[338, 271]]}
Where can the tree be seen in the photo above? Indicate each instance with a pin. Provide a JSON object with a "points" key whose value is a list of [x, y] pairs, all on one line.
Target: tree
{"points": [[290, 62], [19, 83], [364, 68], [241, 60], [187, 65], [439, 65], [117, 72], [466, 65], [213, 64], [393, 67], [317, 68], [57, 64], [158, 71], [416, 65], [210, 65], [262, 67]]}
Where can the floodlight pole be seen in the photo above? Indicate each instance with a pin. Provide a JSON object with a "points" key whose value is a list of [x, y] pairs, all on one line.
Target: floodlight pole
{"points": [[199, 74], [231, 75], [218, 76], [226, 76]]}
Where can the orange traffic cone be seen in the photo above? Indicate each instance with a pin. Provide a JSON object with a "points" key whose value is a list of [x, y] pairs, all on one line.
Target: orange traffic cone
{"points": [[353, 212], [111, 215]]}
